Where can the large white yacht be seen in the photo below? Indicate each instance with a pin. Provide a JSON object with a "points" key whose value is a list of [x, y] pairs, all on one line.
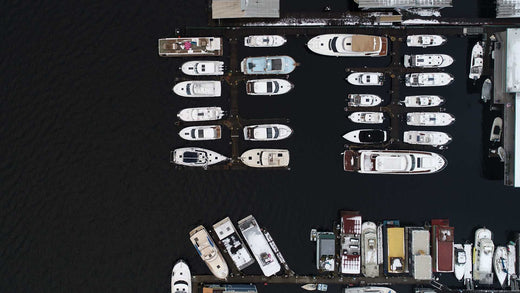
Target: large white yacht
{"points": [[203, 68], [203, 132], [209, 252], [483, 257], [363, 100], [425, 40], [433, 138], [367, 117], [427, 60], [425, 79], [369, 264], [477, 61], [393, 162], [196, 157], [421, 101], [265, 158], [429, 119], [267, 132], [181, 278], [201, 114], [349, 45], [366, 136], [366, 78], [233, 243], [198, 88], [460, 260], [264, 41], [268, 86], [368, 290]]}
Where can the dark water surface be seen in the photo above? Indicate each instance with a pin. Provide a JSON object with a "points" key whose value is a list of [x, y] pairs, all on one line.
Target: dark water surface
{"points": [[89, 201]]}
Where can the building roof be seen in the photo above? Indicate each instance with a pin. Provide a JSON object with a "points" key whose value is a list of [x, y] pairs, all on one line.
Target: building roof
{"points": [[245, 9]]}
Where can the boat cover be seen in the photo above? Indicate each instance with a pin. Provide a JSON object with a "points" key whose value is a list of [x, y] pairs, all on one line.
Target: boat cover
{"points": [[363, 43]]}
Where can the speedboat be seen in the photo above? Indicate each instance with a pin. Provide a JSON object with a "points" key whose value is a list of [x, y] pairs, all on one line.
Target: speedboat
{"points": [[268, 87], [427, 60], [393, 162], [487, 86], [181, 278], [363, 100], [203, 68], [496, 130], [460, 261], [477, 61], [267, 132], [367, 117], [264, 41], [366, 78], [367, 136], [182, 47], [425, 79], [209, 252], [422, 101], [346, 45], [501, 265], [203, 132], [468, 268], [265, 158], [201, 114], [198, 88], [429, 119], [196, 157], [268, 65], [368, 290], [425, 40], [433, 138], [483, 257], [369, 263]]}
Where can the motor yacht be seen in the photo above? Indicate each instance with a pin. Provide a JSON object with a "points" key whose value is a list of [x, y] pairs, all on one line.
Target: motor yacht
{"points": [[268, 65], [268, 86], [421, 101], [198, 88], [203, 132], [367, 117], [201, 114], [203, 68], [425, 40], [348, 45], [265, 158], [429, 119], [363, 100], [260, 41], [367, 136], [433, 138], [267, 132], [209, 252], [427, 60], [427, 79], [366, 78]]}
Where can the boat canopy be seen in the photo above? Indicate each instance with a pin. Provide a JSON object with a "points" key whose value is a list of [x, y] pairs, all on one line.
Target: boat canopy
{"points": [[363, 43], [375, 135]]}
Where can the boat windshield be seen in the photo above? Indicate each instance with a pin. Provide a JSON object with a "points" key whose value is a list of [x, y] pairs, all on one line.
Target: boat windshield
{"points": [[332, 44], [188, 89], [193, 131], [276, 86], [412, 163], [269, 87]]}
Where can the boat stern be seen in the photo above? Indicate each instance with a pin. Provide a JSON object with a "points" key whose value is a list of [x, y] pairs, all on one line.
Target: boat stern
{"points": [[350, 161]]}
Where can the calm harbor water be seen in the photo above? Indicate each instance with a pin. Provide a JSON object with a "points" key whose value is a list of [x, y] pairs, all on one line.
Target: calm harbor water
{"points": [[90, 202]]}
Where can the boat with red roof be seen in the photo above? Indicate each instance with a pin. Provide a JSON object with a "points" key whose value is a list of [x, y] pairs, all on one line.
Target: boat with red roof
{"points": [[442, 246], [350, 244]]}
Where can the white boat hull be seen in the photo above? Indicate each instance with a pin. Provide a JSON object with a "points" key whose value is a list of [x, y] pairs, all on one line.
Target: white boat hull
{"points": [[348, 45], [366, 78], [363, 100], [428, 79], [433, 138], [196, 157], [427, 61], [367, 117], [198, 88], [422, 101], [459, 261], [201, 114], [204, 132], [263, 41], [267, 132], [209, 252], [266, 158], [369, 263], [268, 87], [425, 40], [181, 278], [477, 61], [203, 68], [429, 119], [483, 253]]}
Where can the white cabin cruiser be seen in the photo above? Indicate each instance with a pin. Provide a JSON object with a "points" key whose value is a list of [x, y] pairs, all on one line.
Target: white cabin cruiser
{"points": [[477, 61], [368, 290], [483, 257], [429, 119], [496, 130], [181, 278], [203, 132], [201, 114], [203, 68], [367, 117], [347, 45], [425, 40], [264, 41], [460, 260], [209, 252], [501, 264], [268, 86], [421, 101], [487, 88], [363, 100], [367, 136], [196, 157], [468, 269], [424, 79], [433, 138], [198, 88], [369, 263], [366, 78], [427, 60], [265, 158], [267, 132]]}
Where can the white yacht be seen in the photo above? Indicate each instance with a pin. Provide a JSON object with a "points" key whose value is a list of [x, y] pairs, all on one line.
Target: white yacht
{"points": [[209, 252], [368, 290], [268, 86], [393, 162], [468, 268], [496, 130], [501, 265], [421, 101], [427, 60], [309, 287], [433, 138], [267, 132], [265, 158], [460, 260], [477, 61], [483, 257], [366, 78], [429, 119], [425, 40], [363, 100], [181, 278], [369, 264], [425, 79], [198, 88], [487, 88], [201, 114], [203, 68], [203, 132], [235, 247], [367, 117], [196, 157], [260, 248], [264, 41], [344, 45], [367, 136]]}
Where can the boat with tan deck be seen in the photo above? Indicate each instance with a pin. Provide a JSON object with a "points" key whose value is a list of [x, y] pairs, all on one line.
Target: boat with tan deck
{"points": [[349, 45]]}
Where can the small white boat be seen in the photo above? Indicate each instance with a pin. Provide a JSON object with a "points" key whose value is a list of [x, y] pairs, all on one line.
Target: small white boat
{"points": [[477, 61], [422, 101], [367, 136], [368, 290], [460, 261], [196, 157], [366, 78], [496, 130], [433, 138], [267, 132], [363, 100], [427, 60], [500, 264], [198, 88], [347, 45], [487, 87], [429, 119], [425, 40], [425, 79], [265, 158], [181, 278], [369, 263], [209, 252], [203, 68], [468, 268], [309, 287], [264, 41], [201, 114], [483, 257], [367, 117], [203, 132], [268, 86]]}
